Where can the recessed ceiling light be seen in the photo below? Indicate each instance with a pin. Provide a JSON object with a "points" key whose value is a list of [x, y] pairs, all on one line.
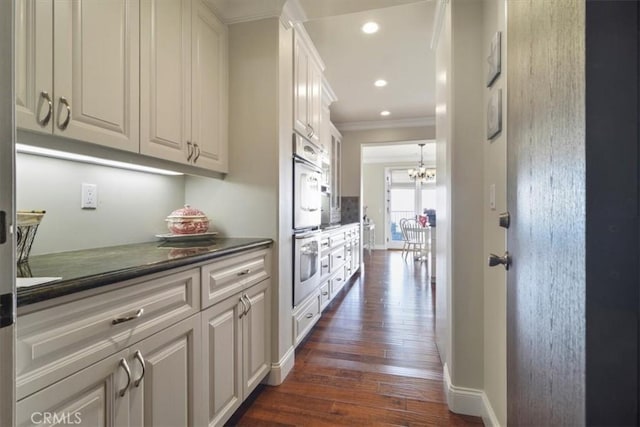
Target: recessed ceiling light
{"points": [[380, 83], [384, 113], [370, 28]]}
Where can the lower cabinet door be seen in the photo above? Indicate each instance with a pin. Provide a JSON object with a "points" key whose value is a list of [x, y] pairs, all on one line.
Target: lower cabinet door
{"points": [[222, 358], [96, 396], [256, 331], [166, 377]]}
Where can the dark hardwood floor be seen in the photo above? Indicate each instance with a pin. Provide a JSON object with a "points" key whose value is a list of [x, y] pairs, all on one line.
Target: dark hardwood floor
{"points": [[370, 360]]}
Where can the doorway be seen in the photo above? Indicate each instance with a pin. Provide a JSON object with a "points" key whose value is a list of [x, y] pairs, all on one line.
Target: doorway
{"points": [[388, 193]]}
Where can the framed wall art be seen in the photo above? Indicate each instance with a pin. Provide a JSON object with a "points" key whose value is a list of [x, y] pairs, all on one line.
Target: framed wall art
{"points": [[494, 59], [494, 114]]}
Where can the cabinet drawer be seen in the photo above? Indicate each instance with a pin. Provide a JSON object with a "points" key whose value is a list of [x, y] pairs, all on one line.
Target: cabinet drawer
{"points": [[324, 243], [325, 296], [337, 282], [336, 240], [56, 342], [305, 317], [337, 259], [230, 275]]}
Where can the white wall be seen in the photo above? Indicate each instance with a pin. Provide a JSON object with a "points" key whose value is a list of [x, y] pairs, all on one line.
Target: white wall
{"points": [[132, 205], [495, 172], [254, 200], [460, 144], [351, 144]]}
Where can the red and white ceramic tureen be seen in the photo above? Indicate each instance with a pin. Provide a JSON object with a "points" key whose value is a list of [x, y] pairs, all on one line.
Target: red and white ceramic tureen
{"points": [[187, 220]]}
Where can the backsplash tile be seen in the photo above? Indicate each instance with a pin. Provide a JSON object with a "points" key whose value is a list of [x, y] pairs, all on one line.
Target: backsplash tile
{"points": [[350, 207]]}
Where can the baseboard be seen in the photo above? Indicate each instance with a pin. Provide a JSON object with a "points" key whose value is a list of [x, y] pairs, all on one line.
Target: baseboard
{"points": [[281, 369], [468, 401], [489, 416]]}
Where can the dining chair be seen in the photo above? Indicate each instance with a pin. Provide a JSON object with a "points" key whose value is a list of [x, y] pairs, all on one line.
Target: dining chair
{"points": [[412, 235]]}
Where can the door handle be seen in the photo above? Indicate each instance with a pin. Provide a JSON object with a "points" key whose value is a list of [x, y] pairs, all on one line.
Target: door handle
{"points": [[500, 260], [504, 220]]}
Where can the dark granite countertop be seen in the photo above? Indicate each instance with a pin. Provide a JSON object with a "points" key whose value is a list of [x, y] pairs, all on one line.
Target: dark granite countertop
{"points": [[92, 268]]}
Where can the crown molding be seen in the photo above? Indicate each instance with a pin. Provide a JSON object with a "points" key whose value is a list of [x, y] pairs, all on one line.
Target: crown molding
{"points": [[386, 124], [292, 13], [234, 12], [328, 95]]}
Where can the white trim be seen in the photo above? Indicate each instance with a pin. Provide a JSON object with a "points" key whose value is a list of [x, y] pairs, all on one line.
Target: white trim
{"points": [[386, 124], [292, 13], [488, 415], [438, 19], [327, 92], [281, 369], [462, 400]]}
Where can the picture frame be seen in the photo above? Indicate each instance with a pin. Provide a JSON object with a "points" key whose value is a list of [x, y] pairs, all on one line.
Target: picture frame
{"points": [[494, 59], [494, 114]]}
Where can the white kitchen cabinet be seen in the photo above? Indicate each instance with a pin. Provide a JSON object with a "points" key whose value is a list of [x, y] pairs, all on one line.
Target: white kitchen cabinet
{"points": [[168, 391], [183, 84], [96, 396], [118, 392], [77, 70], [336, 174], [307, 90], [236, 349]]}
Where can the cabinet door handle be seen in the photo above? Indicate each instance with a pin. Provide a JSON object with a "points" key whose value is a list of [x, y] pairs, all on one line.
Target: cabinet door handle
{"points": [[140, 359], [325, 293], [246, 297], [244, 272], [64, 124], [245, 309], [189, 151], [325, 265], [128, 318], [123, 364], [45, 95], [197, 150], [309, 315]]}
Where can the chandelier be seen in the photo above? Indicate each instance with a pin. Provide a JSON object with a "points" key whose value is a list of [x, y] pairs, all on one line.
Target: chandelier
{"points": [[422, 174]]}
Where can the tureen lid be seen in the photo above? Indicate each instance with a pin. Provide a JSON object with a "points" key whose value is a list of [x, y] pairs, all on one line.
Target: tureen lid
{"points": [[187, 212]]}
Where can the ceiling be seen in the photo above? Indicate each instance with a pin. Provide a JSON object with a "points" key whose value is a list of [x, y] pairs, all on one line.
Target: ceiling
{"points": [[399, 153], [399, 53]]}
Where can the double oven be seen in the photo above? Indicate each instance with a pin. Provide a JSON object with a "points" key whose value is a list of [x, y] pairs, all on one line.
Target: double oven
{"points": [[307, 203]]}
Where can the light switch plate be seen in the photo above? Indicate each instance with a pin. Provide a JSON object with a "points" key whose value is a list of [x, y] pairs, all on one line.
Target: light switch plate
{"points": [[89, 196]]}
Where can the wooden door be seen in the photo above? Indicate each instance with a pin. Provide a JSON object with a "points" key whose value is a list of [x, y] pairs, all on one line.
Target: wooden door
{"points": [[256, 336], [91, 397], [169, 392], [222, 359], [34, 65], [546, 199], [209, 89], [96, 72], [165, 79]]}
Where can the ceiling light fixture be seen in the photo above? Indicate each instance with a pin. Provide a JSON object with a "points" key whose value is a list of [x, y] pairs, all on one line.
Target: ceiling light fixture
{"points": [[422, 174], [384, 113], [380, 83], [370, 28]]}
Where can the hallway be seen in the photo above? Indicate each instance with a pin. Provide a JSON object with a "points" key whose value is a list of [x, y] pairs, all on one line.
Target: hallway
{"points": [[371, 358]]}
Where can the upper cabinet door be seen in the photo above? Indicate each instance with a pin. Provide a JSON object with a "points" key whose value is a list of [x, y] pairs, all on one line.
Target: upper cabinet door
{"points": [[209, 93], [34, 65], [96, 71], [300, 87], [165, 79], [315, 101]]}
